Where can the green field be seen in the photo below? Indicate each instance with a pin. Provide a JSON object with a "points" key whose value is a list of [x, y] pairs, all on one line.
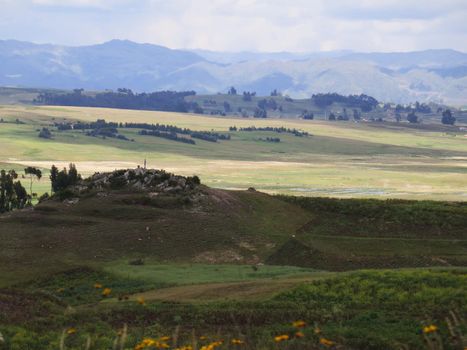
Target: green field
{"points": [[360, 310], [339, 159]]}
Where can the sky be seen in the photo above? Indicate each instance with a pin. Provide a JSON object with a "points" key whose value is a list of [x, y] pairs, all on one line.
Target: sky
{"points": [[243, 25]]}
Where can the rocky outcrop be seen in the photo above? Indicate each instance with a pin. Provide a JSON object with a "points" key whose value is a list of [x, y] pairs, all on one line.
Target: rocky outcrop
{"points": [[149, 180]]}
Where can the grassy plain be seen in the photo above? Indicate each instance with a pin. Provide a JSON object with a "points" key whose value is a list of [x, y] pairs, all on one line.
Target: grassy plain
{"points": [[340, 159]]}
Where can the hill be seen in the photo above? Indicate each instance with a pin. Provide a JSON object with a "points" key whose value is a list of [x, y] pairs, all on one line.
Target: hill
{"points": [[156, 216], [136, 256], [433, 75]]}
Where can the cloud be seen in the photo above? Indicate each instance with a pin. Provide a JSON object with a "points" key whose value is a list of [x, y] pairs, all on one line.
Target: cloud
{"points": [[234, 25]]}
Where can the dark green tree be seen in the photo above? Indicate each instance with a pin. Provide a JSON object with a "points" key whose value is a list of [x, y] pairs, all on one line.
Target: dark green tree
{"points": [[412, 118], [12, 194], [73, 176], [53, 178], [45, 133], [62, 179], [448, 118]]}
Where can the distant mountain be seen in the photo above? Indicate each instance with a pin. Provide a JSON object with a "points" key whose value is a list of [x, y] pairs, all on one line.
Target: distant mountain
{"points": [[244, 56], [432, 75], [110, 65]]}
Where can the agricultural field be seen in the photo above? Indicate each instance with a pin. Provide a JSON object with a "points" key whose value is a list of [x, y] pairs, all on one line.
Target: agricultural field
{"points": [[342, 159]]}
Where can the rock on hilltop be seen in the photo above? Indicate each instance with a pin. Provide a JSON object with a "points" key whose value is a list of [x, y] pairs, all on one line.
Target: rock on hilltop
{"points": [[141, 179]]}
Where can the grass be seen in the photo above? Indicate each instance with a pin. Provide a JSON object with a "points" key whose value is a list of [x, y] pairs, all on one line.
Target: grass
{"points": [[227, 227], [351, 233], [364, 310], [183, 274], [340, 159]]}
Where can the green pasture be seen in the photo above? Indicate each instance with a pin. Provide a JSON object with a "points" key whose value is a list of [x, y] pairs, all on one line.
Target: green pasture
{"points": [[339, 159], [186, 274]]}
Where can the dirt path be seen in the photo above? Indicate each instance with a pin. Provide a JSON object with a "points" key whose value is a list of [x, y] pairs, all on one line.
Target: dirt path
{"points": [[250, 290]]}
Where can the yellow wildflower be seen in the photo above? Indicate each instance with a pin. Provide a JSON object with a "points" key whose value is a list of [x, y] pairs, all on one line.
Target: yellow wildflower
{"points": [[71, 331], [430, 329], [326, 342], [281, 338], [299, 324], [141, 301], [211, 346], [98, 286], [237, 342], [185, 347], [106, 292], [299, 335]]}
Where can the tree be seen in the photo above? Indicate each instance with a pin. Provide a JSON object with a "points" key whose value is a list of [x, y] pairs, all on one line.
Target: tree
{"points": [[198, 109], [247, 96], [227, 107], [448, 118], [260, 113], [356, 115], [62, 179], [262, 104], [53, 178], [73, 176], [275, 93], [32, 172], [332, 117], [12, 193], [307, 115], [272, 104], [45, 133], [412, 118], [232, 91], [21, 195]]}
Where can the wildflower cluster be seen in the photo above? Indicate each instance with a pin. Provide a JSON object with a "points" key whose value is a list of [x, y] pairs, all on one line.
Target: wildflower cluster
{"points": [[326, 342], [160, 343], [430, 329], [237, 342], [299, 333], [281, 338], [105, 291], [211, 346]]}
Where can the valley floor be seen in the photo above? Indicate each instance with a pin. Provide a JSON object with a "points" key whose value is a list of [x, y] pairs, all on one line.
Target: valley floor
{"points": [[340, 159]]}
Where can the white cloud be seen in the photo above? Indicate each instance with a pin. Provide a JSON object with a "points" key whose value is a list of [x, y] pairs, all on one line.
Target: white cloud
{"points": [[233, 25]]}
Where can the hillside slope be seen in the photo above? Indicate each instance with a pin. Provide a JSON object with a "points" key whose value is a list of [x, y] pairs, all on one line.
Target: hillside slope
{"points": [[204, 225]]}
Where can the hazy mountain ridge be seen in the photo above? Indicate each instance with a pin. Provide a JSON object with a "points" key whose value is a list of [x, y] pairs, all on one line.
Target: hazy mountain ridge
{"points": [[439, 75]]}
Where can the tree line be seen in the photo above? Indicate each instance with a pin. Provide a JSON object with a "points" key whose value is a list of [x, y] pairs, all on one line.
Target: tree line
{"points": [[279, 130], [103, 129], [364, 102], [13, 194], [171, 101]]}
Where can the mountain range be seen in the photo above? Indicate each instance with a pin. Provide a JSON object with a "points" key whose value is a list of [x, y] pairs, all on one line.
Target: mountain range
{"points": [[431, 75]]}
